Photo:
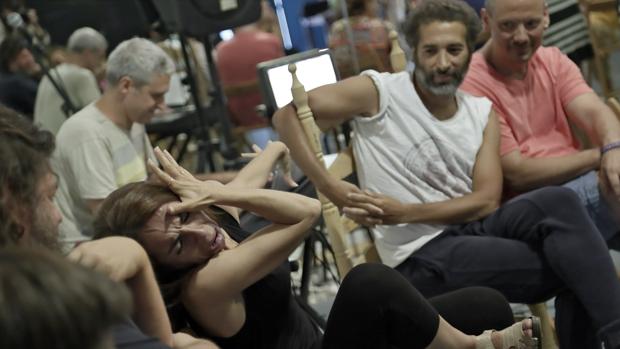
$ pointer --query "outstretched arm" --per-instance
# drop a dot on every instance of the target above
(331, 106)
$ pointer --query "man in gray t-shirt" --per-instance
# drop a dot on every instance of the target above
(105, 146)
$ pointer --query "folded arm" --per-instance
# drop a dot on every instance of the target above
(602, 125)
(524, 174)
(484, 198)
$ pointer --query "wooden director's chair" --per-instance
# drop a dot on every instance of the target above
(339, 227)
(604, 32)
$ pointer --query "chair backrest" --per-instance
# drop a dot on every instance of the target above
(338, 227)
(604, 32)
(614, 104)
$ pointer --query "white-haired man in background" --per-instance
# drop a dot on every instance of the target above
(104, 146)
(86, 54)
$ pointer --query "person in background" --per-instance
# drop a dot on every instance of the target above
(86, 50)
(236, 61)
(371, 40)
(105, 145)
(19, 75)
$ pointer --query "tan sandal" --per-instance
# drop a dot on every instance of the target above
(514, 337)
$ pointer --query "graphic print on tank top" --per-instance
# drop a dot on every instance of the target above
(432, 163)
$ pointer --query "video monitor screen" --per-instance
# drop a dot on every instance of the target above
(314, 68)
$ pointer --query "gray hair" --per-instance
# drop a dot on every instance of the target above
(139, 59)
(86, 38)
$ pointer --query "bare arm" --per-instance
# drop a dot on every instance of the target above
(589, 113)
(524, 174)
(218, 285)
(602, 125)
(331, 106)
(124, 260)
(484, 198)
(256, 173)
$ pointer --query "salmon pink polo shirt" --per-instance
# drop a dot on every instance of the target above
(532, 111)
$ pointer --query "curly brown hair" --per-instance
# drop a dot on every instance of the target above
(429, 11)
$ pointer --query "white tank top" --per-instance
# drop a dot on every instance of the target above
(408, 154)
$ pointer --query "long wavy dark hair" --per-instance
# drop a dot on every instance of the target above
(126, 211)
(429, 11)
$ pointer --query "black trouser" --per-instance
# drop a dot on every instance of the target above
(535, 246)
(377, 308)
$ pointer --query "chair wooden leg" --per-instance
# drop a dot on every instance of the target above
(602, 74)
(548, 330)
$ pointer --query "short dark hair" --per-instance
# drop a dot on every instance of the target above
(356, 7)
(10, 47)
(49, 302)
(24, 154)
(429, 11)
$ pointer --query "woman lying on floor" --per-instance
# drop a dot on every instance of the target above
(234, 287)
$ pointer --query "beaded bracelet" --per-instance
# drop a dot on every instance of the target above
(609, 146)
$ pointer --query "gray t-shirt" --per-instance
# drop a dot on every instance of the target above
(94, 157)
(79, 83)
(408, 154)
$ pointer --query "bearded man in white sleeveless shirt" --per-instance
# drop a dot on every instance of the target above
(427, 159)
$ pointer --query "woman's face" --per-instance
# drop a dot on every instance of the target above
(181, 240)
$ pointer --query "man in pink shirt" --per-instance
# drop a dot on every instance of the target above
(536, 91)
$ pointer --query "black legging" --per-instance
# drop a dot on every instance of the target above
(377, 308)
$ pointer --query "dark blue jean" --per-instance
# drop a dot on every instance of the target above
(537, 245)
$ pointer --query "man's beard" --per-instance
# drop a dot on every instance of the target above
(426, 80)
(45, 233)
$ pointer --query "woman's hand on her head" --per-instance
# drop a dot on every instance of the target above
(194, 193)
(120, 258)
(203, 194)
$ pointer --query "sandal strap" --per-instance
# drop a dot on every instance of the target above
(514, 337)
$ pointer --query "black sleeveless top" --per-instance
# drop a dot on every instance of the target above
(274, 319)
